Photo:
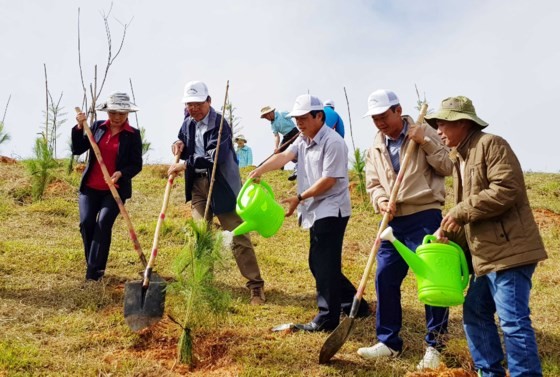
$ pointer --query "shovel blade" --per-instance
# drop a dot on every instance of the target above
(336, 339)
(144, 307)
(283, 327)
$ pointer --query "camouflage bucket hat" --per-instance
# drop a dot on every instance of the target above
(455, 108)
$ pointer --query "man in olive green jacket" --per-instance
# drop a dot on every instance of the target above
(493, 210)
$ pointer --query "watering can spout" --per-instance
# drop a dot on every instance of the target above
(243, 228)
(414, 262)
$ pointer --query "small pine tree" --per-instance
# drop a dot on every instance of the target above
(358, 167)
(4, 136)
(194, 271)
(146, 145)
(232, 119)
(55, 119)
(40, 167)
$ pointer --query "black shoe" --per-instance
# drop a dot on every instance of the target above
(364, 311)
(312, 327)
(292, 177)
(364, 314)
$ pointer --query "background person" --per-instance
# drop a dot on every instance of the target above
(243, 152)
(332, 119)
(323, 203)
(493, 209)
(417, 212)
(121, 149)
(281, 124)
(198, 140)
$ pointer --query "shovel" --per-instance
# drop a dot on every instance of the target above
(144, 300)
(337, 338)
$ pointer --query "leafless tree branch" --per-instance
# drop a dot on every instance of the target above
(350, 120)
(84, 102)
(134, 100)
(6, 109)
(110, 57)
(47, 95)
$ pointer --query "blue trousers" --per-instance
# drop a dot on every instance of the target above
(335, 293)
(98, 211)
(391, 271)
(507, 294)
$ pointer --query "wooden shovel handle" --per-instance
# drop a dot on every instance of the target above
(153, 255)
(385, 221)
(216, 156)
(114, 192)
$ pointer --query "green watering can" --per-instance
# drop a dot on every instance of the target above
(441, 269)
(258, 209)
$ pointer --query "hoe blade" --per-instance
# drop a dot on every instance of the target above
(144, 307)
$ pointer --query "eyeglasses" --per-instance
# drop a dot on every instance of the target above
(195, 105)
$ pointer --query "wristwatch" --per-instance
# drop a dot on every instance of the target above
(299, 198)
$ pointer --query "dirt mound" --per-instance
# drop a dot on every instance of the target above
(442, 371)
(7, 160)
(210, 350)
(546, 219)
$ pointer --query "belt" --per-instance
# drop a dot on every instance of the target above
(201, 175)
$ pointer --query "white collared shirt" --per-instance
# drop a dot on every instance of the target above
(200, 129)
(326, 155)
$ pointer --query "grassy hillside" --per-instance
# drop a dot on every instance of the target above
(52, 324)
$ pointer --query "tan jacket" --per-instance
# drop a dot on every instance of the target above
(492, 205)
(423, 185)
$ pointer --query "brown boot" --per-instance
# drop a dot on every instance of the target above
(257, 296)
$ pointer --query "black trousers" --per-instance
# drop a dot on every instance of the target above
(335, 292)
(98, 211)
(287, 138)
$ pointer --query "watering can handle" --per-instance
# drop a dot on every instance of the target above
(243, 188)
(464, 266)
(267, 187)
(248, 183)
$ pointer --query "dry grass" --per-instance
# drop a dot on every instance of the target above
(55, 325)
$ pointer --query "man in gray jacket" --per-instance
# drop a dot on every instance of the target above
(493, 210)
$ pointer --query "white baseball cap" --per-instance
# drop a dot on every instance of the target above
(305, 104)
(195, 91)
(380, 101)
(329, 102)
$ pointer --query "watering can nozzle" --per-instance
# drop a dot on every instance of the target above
(387, 234)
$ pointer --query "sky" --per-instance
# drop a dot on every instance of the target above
(503, 55)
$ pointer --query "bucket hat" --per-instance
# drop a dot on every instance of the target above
(380, 101)
(240, 137)
(119, 102)
(305, 104)
(455, 108)
(195, 91)
(265, 110)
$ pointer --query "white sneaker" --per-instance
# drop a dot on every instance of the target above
(431, 359)
(378, 350)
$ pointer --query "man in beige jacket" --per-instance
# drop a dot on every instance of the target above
(493, 210)
(417, 212)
